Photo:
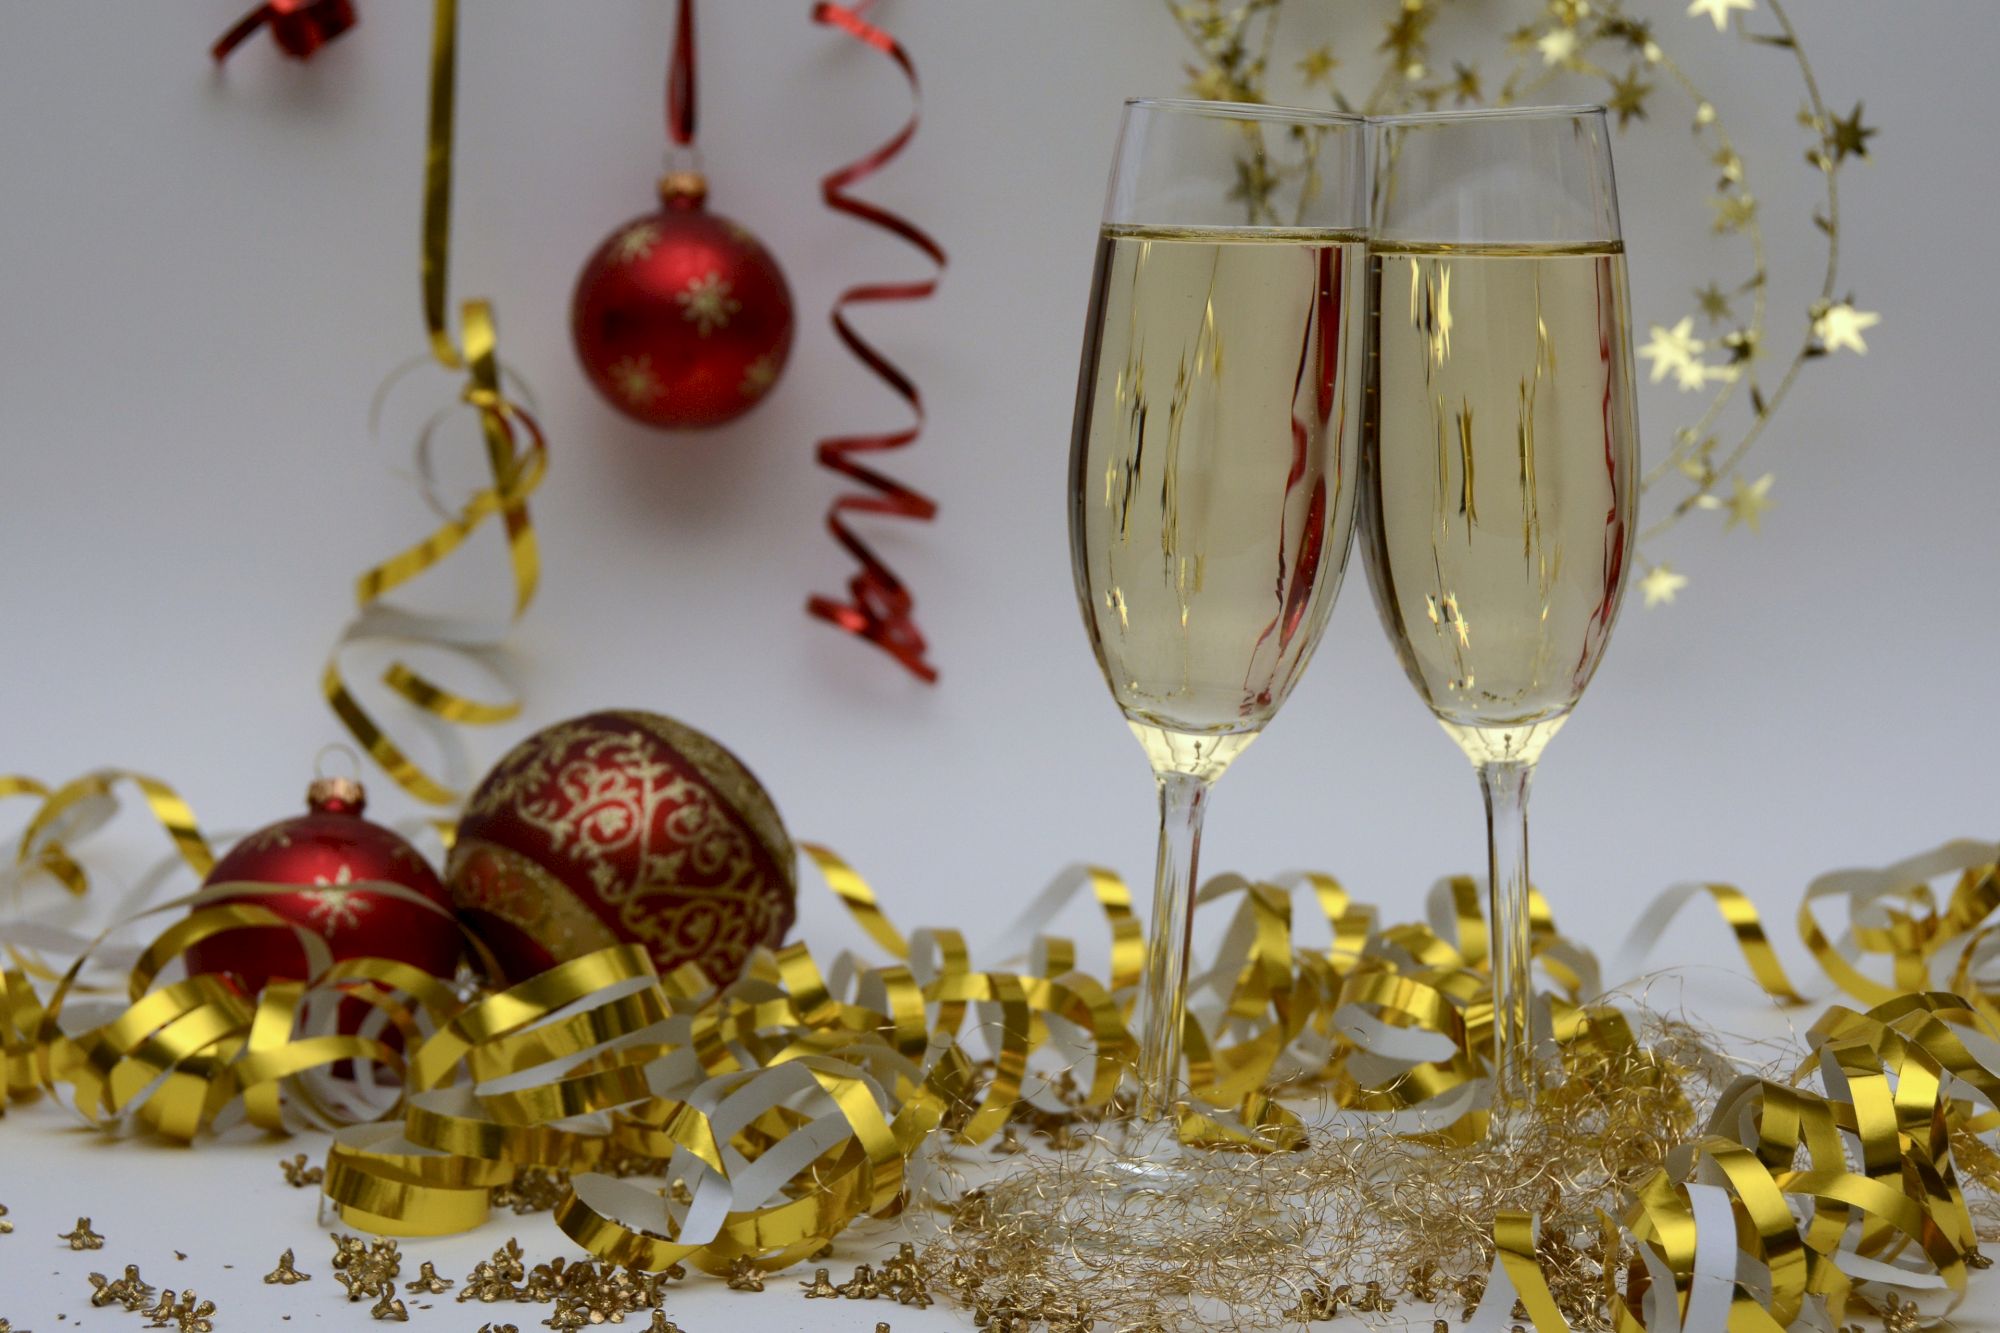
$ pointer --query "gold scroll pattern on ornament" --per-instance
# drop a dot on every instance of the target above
(665, 851)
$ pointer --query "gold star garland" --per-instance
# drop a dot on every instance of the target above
(1598, 40)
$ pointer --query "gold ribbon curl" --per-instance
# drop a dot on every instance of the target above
(517, 458)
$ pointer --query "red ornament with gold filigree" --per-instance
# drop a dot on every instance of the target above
(333, 855)
(623, 827)
(682, 318)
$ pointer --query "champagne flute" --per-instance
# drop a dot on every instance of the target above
(1212, 469)
(1499, 461)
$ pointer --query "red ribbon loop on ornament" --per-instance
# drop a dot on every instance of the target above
(880, 608)
(300, 27)
(680, 78)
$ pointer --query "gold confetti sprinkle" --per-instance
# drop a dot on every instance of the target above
(388, 1307)
(427, 1280)
(299, 1175)
(130, 1291)
(83, 1238)
(743, 1275)
(286, 1273)
(363, 1268)
(821, 1287)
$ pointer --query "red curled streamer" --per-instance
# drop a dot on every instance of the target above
(881, 606)
(300, 27)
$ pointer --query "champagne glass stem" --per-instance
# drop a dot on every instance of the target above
(1163, 1001)
(1505, 786)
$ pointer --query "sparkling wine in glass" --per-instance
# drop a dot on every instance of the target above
(1499, 461)
(1213, 467)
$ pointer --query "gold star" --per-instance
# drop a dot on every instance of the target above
(633, 376)
(1733, 211)
(706, 303)
(1558, 46)
(1215, 85)
(1628, 96)
(1673, 351)
(1842, 325)
(1406, 34)
(1850, 136)
(1318, 65)
(1719, 10)
(1747, 502)
(636, 242)
(1714, 303)
(1729, 164)
(1660, 585)
(1635, 33)
(1465, 82)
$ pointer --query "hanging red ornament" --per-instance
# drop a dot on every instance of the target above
(333, 855)
(682, 318)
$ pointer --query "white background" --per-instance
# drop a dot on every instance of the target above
(204, 279)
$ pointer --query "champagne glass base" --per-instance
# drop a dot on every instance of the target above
(1147, 1197)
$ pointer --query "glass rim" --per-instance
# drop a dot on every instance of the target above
(1265, 111)
(1569, 111)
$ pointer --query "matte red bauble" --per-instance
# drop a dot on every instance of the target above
(682, 318)
(623, 828)
(328, 852)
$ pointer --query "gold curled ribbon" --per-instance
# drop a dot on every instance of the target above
(798, 1100)
(516, 456)
(181, 1058)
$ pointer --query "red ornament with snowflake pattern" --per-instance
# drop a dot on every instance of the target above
(682, 318)
(330, 853)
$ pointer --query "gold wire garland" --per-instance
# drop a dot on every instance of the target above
(1234, 43)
